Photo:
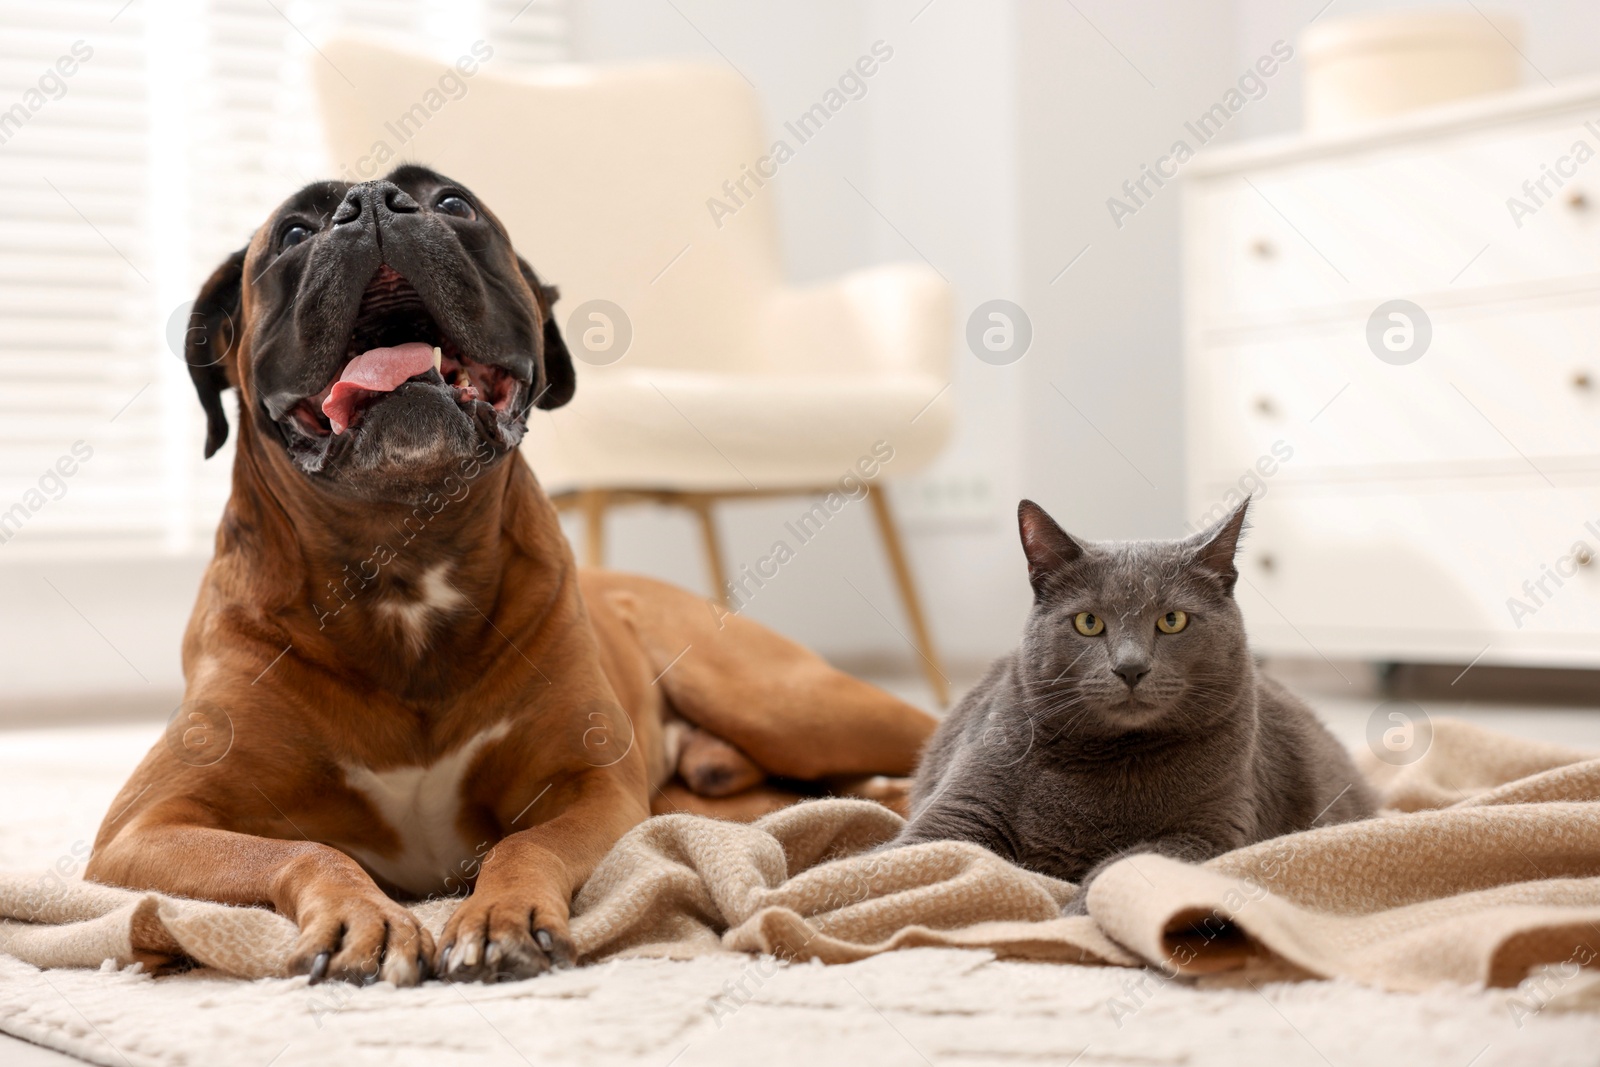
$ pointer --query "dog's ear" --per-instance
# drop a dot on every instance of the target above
(208, 339)
(558, 382)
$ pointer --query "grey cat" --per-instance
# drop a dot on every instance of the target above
(1131, 719)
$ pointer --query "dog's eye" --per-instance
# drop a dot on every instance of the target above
(451, 204)
(294, 235)
(1172, 622)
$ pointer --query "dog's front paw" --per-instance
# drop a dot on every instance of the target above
(360, 938)
(500, 937)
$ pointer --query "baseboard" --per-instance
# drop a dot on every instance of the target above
(143, 705)
(888, 666)
(1439, 681)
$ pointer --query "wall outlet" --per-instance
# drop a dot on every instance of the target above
(955, 498)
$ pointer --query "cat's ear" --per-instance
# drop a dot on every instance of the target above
(1215, 549)
(1047, 546)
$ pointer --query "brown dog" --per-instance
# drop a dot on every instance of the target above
(398, 682)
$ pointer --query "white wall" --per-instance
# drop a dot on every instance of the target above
(107, 627)
(1106, 88)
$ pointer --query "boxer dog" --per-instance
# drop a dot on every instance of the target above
(398, 683)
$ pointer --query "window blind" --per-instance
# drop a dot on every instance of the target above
(75, 301)
(125, 181)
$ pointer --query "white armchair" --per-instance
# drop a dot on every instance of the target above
(732, 384)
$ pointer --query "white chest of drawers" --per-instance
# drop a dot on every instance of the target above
(1445, 509)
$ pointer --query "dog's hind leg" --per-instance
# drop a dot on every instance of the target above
(747, 806)
(892, 793)
(779, 704)
(711, 767)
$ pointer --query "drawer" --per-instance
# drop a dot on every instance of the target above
(1493, 387)
(1391, 222)
(1405, 573)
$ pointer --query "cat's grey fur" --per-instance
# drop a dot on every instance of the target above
(1058, 762)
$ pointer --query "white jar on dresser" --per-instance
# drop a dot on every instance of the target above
(1393, 338)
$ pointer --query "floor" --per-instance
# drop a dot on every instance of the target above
(101, 755)
(16, 1053)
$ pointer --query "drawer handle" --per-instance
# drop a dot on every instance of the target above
(1262, 248)
(1582, 380)
(1577, 201)
(1584, 557)
(1268, 562)
(1265, 406)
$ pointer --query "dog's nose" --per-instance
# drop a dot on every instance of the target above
(1132, 672)
(373, 200)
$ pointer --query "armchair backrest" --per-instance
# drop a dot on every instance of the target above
(602, 175)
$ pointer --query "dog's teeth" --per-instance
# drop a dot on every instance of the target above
(438, 359)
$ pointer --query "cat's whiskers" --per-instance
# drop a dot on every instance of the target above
(1040, 709)
(1192, 694)
(1068, 667)
(1048, 705)
(1076, 702)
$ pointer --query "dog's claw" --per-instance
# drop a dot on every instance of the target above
(560, 954)
(319, 967)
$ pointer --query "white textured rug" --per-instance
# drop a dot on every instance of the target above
(924, 1006)
(915, 1007)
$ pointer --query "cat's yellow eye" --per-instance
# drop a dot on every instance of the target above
(1088, 625)
(1172, 622)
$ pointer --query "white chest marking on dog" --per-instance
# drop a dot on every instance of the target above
(435, 596)
(422, 805)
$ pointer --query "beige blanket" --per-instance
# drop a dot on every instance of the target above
(1487, 864)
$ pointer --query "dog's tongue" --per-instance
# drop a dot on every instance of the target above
(381, 370)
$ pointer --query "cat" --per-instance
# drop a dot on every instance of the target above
(1130, 719)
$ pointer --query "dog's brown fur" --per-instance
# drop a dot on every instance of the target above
(591, 671)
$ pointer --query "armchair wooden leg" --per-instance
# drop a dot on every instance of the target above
(908, 596)
(701, 506)
(594, 503)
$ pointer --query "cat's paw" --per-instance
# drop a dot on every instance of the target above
(1079, 905)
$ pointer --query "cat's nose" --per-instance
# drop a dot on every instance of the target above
(1132, 672)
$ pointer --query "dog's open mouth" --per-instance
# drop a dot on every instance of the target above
(393, 341)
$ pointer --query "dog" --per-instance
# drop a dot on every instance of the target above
(398, 683)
